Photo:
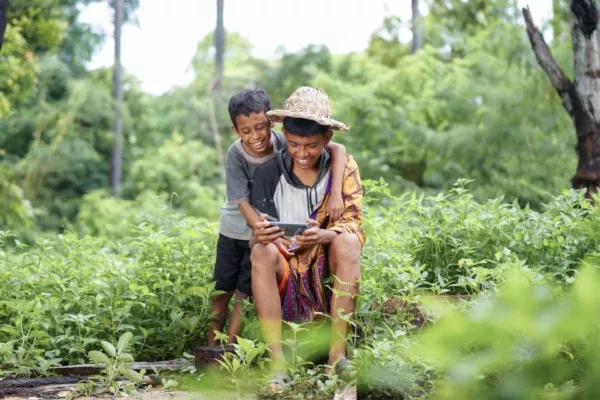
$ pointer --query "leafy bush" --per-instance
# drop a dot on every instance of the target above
(185, 171)
(62, 297)
(149, 272)
(15, 211)
(533, 340)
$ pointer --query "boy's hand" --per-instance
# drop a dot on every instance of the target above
(335, 206)
(264, 233)
(283, 246)
(314, 235)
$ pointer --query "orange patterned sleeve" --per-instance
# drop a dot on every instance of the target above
(352, 194)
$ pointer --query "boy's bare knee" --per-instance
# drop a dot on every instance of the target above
(347, 245)
(263, 254)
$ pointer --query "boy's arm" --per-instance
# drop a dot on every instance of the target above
(351, 218)
(249, 213)
(335, 205)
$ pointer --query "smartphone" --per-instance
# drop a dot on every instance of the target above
(289, 228)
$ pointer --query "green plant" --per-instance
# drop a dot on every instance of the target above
(245, 365)
(116, 362)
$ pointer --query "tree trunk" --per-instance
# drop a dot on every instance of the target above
(217, 84)
(115, 162)
(212, 114)
(3, 20)
(580, 97)
(417, 27)
(219, 45)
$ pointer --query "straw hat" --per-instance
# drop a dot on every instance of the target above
(308, 103)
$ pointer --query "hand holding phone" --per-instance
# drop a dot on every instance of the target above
(314, 235)
(265, 232)
(290, 229)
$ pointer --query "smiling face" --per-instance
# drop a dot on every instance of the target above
(306, 150)
(254, 131)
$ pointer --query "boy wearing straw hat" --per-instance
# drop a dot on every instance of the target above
(295, 187)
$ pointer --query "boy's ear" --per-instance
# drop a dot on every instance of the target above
(328, 137)
(272, 123)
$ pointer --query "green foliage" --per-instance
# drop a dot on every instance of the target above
(104, 216)
(184, 171)
(149, 273)
(37, 28)
(116, 362)
(15, 211)
(456, 20)
(434, 120)
(293, 70)
(385, 46)
(533, 340)
(57, 174)
(62, 297)
(17, 70)
(464, 151)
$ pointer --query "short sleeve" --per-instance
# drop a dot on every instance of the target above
(236, 178)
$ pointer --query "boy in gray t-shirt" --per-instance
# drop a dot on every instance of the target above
(256, 145)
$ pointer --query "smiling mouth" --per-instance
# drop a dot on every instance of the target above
(303, 161)
(259, 145)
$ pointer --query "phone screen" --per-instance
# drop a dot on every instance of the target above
(290, 229)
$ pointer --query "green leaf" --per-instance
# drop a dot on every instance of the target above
(130, 374)
(124, 341)
(109, 348)
(98, 357)
(125, 357)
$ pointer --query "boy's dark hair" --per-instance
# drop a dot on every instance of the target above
(247, 102)
(303, 127)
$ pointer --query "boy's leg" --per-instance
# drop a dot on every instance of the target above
(218, 310)
(236, 322)
(243, 291)
(267, 273)
(344, 263)
(225, 275)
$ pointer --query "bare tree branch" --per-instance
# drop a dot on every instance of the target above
(584, 21)
(215, 129)
(417, 28)
(117, 152)
(546, 60)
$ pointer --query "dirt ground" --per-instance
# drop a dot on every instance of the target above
(152, 394)
(162, 394)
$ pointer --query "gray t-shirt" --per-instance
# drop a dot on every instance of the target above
(239, 174)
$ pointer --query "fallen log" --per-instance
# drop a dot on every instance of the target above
(44, 392)
(93, 369)
(48, 387)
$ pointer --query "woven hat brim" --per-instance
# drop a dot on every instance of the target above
(279, 115)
